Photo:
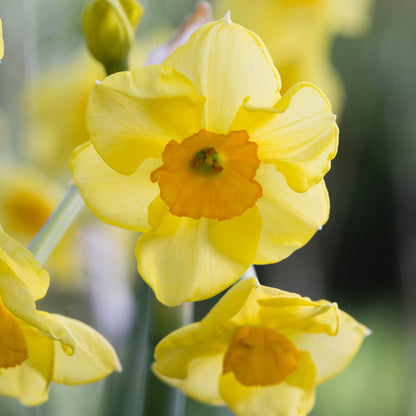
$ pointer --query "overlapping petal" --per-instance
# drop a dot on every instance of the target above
(227, 63)
(18, 261)
(29, 382)
(132, 115)
(183, 259)
(120, 200)
(93, 357)
(202, 380)
(292, 218)
(331, 354)
(298, 135)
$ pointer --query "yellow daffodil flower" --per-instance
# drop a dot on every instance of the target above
(37, 347)
(27, 199)
(1, 42)
(299, 35)
(260, 351)
(205, 157)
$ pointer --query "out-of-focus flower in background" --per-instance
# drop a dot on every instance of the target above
(260, 351)
(37, 348)
(299, 35)
(27, 198)
(54, 109)
(239, 179)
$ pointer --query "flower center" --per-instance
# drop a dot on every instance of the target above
(209, 175)
(209, 156)
(27, 211)
(13, 348)
(259, 356)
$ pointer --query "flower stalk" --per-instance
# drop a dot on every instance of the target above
(58, 223)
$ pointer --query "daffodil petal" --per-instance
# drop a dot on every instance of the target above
(231, 303)
(183, 259)
(298, 135)
(288, 312)
(93, 358)
(132, 115)
(294, 398)
(227, 63)
(19, 301)
(18, 261)
(178, 349)
(202, 381)
(117, 199)
(29, 382)
(331, 354)
(290, 218)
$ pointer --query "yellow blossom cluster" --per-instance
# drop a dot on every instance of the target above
(219, 165)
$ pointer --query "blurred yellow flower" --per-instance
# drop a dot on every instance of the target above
(261, 351)
(299, 35)
(27, 199)
(1, 42)
(36, 347)
(203, 155)
(54, 107)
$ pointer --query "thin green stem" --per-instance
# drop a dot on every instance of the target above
(161, 399)
(58, 223)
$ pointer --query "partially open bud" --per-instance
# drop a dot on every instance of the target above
(109, 27)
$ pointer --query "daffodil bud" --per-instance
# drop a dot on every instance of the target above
(109, 27)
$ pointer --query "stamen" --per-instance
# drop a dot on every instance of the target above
(209, 156)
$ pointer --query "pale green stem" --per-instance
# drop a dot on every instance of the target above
(58, 223)
(161, 399)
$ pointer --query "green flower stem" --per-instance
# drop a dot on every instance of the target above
(58, 223)
(160, 399)
(118, 66)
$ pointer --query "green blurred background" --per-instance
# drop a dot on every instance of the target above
(365, 256)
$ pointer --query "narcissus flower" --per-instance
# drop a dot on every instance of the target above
(261, 351)
(205, 157)
(36, 347)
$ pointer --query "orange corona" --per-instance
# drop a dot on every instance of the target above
(209, 175)
(259, 356)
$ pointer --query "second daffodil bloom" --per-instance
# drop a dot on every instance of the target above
(37, 347)
(261, 351)
(205, 157)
